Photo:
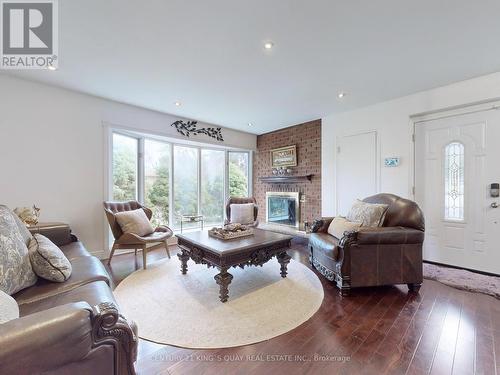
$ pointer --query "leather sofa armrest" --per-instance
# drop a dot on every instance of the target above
(321, 225)
(389, 235)
(52, 338)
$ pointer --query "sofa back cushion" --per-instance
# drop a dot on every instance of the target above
(9, 309)
(134, 221)
(48, 261)
(340, 225)
(16, 272)
(369, 214)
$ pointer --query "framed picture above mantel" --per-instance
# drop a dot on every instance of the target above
(284, 157)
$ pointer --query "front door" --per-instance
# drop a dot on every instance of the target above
(456, 160)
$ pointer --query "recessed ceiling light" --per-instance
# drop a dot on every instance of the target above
(51, 67)
(250, 124)
(268, 45)
(341, 95)
(177, 103)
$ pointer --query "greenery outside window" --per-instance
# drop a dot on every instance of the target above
(174, 179)
(125, 162)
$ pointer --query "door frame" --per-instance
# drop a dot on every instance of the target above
(448, 112)
(377, 161)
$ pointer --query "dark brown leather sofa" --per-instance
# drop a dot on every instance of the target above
(391, 254)
(73, 327)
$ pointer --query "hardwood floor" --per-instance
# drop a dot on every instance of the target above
(374, 331)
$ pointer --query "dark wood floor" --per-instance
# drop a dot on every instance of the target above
(375, 331)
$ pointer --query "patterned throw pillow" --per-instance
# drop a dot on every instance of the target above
(340, 225)
(48, 261)
(9, 309)
(134, 221)
(16, 272)
(369, 214)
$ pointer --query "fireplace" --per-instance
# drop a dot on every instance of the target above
(283, 208)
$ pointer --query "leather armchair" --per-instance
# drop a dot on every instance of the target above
(391, 254)
(242, 200)
(129, 240)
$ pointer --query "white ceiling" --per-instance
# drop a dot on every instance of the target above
(210, 55)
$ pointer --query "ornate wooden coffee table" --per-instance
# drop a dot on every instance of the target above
(247, 251)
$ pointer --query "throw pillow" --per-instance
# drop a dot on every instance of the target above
(25, 233)
(242, 213)
(340, 225)
(134, 221)
(369, 214)
(16, 272)
(48, 260)
(9, 309)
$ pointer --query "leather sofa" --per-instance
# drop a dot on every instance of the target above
(73, 327)
(386, 255)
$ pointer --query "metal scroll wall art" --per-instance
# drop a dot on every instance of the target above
(189, 128)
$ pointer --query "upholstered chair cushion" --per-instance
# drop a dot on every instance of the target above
(9, 309)
(242, 213)
(134, 221)
(48, 261)
(340, 225)
(16, 272)
(369, 214)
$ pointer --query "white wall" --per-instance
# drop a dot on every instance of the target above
(392, 122)
(52, 151)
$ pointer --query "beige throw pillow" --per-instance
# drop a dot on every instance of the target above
(369, 214)
(340, 225)
(134, 221)
(9, 309)
(48, 261)
(242, 213)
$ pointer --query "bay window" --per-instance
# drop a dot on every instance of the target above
(175, 179)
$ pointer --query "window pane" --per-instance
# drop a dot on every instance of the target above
(212, 186)
(238, 174)
(454, 181)
(185, 183)
(156, 180)
(124, 167)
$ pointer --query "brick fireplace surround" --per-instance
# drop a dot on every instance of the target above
(307, 138)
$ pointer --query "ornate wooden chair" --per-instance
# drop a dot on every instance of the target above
(129, 240)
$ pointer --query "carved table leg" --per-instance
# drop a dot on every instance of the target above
(223, 279)
(183, 257)
(284, 259)
(414, 287)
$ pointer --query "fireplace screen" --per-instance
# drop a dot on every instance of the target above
(283, 208)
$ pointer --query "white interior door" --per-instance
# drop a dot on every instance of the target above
(356, 169)
(456, 159)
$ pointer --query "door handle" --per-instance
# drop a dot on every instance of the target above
(494, 205)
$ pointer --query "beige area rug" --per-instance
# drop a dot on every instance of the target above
(463, 279)
(185, 310)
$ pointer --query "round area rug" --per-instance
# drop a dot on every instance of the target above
(185, 310)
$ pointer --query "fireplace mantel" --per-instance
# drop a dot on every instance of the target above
(286, 179)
